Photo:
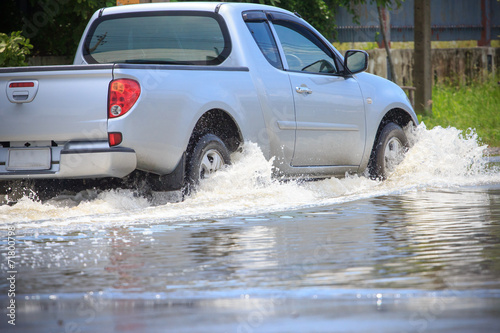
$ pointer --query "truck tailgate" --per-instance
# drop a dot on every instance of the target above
(54, 103)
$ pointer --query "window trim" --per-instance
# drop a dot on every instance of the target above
(218, 18)
(280, 47)
(259, 17)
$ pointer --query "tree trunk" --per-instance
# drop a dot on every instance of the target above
(383, 31)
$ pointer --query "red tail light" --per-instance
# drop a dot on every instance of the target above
(22, 85)
(123, 94)
(114, 138)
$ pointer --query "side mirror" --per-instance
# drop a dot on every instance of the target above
(356, 61)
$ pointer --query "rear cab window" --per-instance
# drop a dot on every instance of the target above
(167, 37)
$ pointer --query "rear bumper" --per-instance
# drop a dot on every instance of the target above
(77, 164)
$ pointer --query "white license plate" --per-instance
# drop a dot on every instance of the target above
(29, 159)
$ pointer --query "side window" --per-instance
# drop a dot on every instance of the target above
(265, 40)
(304, 52)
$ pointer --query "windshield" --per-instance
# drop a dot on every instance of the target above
(196, 38)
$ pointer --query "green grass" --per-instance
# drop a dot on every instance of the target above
(476, 106)
(409, 45)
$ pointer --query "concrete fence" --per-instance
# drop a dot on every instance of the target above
(461, 64)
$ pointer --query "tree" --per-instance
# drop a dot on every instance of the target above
(14, 49)
(53, 26)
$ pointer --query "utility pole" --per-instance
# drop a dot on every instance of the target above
(486, 23)
(422, 72)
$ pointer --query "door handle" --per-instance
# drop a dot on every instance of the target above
(303, 90)
(20, 95)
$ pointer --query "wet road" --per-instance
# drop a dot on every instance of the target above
(417, 253)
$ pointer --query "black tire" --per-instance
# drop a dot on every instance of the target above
(208, 155)
(388, 151)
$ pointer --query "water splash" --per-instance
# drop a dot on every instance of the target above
(440, 157)
(445, 156)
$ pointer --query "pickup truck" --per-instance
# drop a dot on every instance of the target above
(170, 90)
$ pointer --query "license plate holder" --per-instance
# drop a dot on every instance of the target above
(22, 159)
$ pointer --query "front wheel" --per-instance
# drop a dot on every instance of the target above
(208, 155)
(388, 151)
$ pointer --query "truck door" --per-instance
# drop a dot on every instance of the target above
(329, 108)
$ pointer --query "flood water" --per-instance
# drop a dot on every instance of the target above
(419, 252)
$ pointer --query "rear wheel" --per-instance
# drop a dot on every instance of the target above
(388, 152)
(208, 155)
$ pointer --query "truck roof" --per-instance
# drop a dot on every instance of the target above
(198, 6)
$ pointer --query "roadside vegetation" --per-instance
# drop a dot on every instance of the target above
(474, 105)
(409, 45)
(14, 49)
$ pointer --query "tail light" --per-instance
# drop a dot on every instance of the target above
(22, 85)
(123, 93)
(114, 138)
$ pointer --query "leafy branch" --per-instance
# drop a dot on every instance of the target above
(14, 49)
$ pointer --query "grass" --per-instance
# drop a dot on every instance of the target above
(409, 45)
(476, 106)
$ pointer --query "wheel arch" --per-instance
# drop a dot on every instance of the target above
(397, 116)
(214, 121)
(219, 123)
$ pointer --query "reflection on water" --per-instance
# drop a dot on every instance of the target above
(449, 237)
(422, 240)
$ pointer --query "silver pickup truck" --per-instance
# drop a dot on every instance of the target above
(171, 89)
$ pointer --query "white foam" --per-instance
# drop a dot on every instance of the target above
(439, 157)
